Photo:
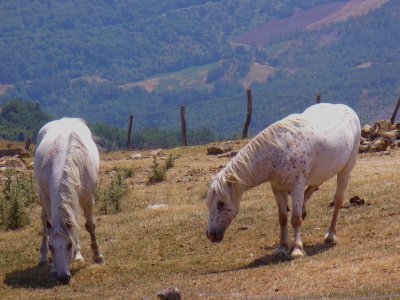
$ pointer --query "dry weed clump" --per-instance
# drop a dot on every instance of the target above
(18, 197)
(109, 198)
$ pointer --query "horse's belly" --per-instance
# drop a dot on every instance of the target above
(327, 162)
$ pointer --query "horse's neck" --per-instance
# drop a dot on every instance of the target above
(257, 170)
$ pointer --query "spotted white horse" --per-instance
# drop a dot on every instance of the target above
(66, 167)
(301, 150)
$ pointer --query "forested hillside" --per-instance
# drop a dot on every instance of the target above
(102, 60)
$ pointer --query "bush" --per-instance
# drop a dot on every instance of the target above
(110, 197)
(17, 199)
(169, 163)
(157, 172)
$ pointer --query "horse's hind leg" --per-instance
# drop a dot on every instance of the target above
(297, 194)
(282, 201)
(307, 195)
(342, 182)
(44, 246)
(91, 227)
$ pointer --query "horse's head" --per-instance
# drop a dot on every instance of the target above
(223, 205)
(63, 250)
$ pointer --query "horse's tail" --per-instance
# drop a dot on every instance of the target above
(71, 184)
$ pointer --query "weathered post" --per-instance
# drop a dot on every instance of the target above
(128, 143)
(318, 98)
(249, 111)
(395, 112)
(28, 144)
(183, 126)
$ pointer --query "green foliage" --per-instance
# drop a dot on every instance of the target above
(157, 172)
(169, 162)
(17, 199)
(110, 197)
(20, 120)
(124, 171)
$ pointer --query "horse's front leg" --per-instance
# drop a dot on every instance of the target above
(282, 201)
(91, 228)
(297, 194)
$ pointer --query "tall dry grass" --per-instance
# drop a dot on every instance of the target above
(149, 250)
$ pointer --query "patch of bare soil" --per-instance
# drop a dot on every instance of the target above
(266, 33)
(4, 88)
(149, 85)
(311, 19)
(258, 73)
(354, 8)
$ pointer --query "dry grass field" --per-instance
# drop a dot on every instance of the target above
(150, 250)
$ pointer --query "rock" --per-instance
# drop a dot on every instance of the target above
(156, 152)
(214, 150)
(169, 294)
(11, 162)
(228, 154)
(13, 152)
(135, 156)
(218, 150)
(379, 145)
(157, 206)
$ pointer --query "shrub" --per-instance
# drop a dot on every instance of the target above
(109, 198)
(17, 199)
(157, 172)
(169, 163)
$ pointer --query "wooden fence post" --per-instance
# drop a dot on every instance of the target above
(318, 98)
(249, 111)
(183, 126)
(128, 143)
(395, 112)
(28, 144)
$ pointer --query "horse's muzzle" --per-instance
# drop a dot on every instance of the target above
(64, 279)
(215, 236)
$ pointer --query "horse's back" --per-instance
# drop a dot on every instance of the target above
(54, 142)
(334, 133)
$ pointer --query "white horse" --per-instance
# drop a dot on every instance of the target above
(66, 167)
(298, 151)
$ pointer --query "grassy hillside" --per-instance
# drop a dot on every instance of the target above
(73, 57)
(149, 250)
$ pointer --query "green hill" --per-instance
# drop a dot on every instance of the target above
(103, 60)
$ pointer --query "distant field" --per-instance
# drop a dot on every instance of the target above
(150, 250)
(309, 20)
(187, 78)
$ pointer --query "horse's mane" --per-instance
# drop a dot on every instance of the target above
(70, 186)
(240, 168)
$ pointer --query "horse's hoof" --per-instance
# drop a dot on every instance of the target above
(43, 263)
(297, 252)
(53, 273)
(281, 251)
(78, 257)
(99, 260)
(330, 238)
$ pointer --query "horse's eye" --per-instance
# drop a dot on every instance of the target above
(220, 205)
(69, 245)
(51, 248)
